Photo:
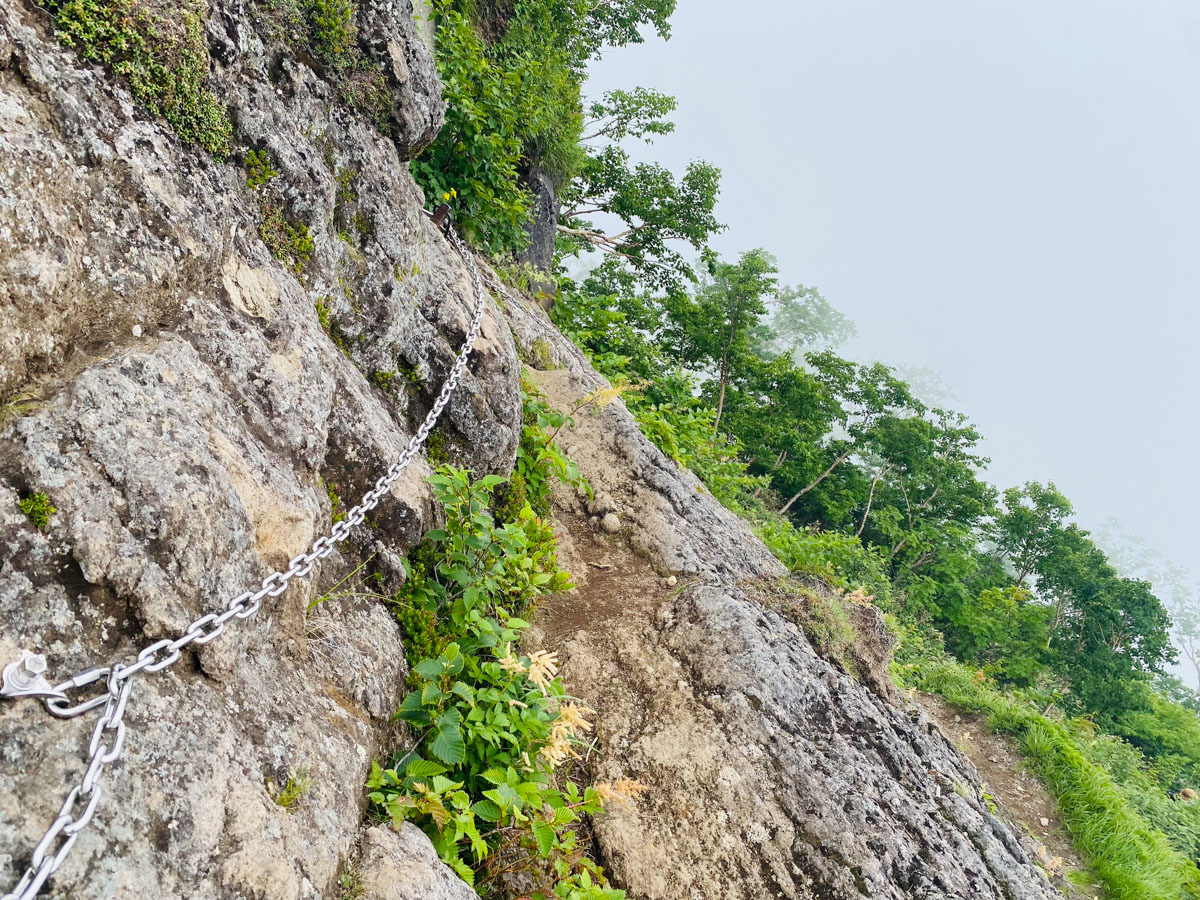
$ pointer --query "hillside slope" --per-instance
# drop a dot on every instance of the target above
(770, 770)
(224, 355)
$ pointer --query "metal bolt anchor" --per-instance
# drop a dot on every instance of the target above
(26, 678)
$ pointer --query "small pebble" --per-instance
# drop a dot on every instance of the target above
(610, 524)
(137, 330)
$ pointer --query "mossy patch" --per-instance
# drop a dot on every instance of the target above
(324, 31)
(288, 240)
(39, 510)
(540, 356)
(163, 58)
(337, 510)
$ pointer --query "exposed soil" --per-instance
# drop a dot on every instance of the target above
(611, 581)
(1022, 798)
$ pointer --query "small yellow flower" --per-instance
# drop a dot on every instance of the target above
(557, 752)
(510, 663)
(572, 721)
(543, 667)
(453, 192)
(445, 196)
(624, 792)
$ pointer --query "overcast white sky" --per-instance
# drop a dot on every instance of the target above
(1008, 193)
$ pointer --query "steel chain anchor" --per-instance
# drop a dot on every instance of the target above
(25, 678)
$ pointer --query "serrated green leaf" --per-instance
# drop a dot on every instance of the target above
(429, 668)
(424, 768)
(440, 784)
(448, 745)
(544, 835)
(411, 710)
(487, 810)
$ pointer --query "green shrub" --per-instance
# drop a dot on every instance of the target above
(259, 169)
(289, 241)
(164, 58)
(39, 510)
(477, 152)
(539, 461)
(331, 24)
(493, 726)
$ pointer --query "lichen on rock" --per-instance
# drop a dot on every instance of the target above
(192, 409)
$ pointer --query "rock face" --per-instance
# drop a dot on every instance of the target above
(780, 775)
(196, 419)
(770, 772)
(197, 411)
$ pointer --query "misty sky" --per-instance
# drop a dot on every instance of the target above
(1006, 193)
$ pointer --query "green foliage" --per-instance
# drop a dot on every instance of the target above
(492, 726)
(38, 508)
(511, 77)
(835, 558)
(164, 59)
(478, 151)
(259, 169)
(297, 785)
(474, 564)
(656, 211)
(331, 24)
(638, 113)
(1005, 632)
(288, 240)
(539, 461)
(337, 511)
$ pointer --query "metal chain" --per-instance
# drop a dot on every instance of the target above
(108, 737)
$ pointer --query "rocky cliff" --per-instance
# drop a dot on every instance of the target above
(204, 359)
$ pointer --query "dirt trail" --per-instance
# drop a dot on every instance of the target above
(768, 770)
(611, 581)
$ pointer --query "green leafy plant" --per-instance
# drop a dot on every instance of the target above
(539, 461)
(477, 152)
(38, 508)
(493, 726)
(259, 169)
(289, 241)
(297, 785)
(332, 28)
(164, 59)
(337, 510)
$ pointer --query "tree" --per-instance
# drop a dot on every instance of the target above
(869, 396)
(802, 321)
(1028, 527)
(727, 306)
(655, 209)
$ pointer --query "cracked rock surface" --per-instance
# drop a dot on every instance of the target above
(196, 426)
(769, 771)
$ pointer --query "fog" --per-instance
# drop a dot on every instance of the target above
(1005, 194)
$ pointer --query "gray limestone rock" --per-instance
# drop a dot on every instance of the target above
(402, 865)
(780, 775)
(196, 416)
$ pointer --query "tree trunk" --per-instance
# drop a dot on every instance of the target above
(870, 500)
(837, 462)
(724, 374)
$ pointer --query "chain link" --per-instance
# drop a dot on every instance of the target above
(108, 737)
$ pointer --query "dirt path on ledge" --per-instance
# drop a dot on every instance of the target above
(611, 580)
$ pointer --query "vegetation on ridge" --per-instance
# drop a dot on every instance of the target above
(1001, 601)
(489, 777)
